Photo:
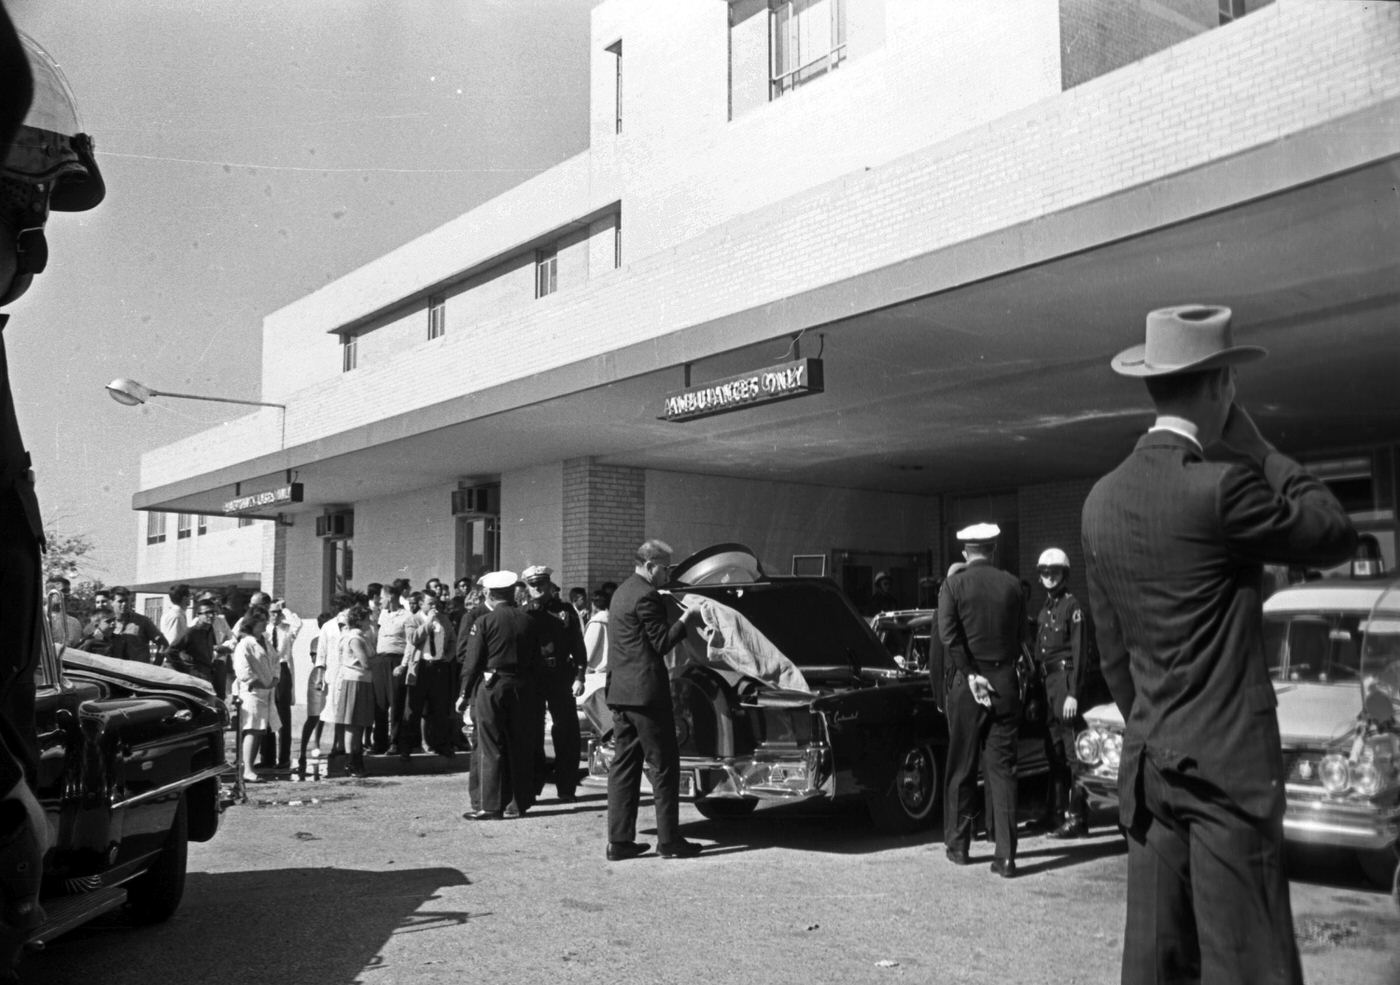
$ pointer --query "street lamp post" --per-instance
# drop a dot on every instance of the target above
(130, 393)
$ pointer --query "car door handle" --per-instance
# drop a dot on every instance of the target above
(183, 715)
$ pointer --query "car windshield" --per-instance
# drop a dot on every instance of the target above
(1314, 647)
(809, 621)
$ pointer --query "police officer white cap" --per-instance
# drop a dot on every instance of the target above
(979, 533)
(536, 572)
(498, 581)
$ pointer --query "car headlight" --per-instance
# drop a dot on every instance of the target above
(1087, 747)
(1335, 773)
(1112, 750)
(1366, 779)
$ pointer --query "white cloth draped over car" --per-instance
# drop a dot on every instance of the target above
(729, 639)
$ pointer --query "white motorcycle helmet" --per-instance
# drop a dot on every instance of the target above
(1053, 567)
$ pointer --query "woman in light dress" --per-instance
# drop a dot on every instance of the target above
(255, 676)
(350, 705)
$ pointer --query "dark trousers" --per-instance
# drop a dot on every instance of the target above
(644, 737)
(1059, 748)
(504, 713)
(989, 734)
(556, 695)
(428, 708)
(19, 616)
(276, 750)
(1207, 892)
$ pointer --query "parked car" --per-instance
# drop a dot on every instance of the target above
(131, 756)
(1333, 648)
(786, 694)
(907, 634)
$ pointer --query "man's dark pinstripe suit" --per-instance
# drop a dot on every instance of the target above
(1174, 547)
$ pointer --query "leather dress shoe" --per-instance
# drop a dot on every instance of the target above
(678, 849)
(957, 856)
(1004, 867)
(621, 851)
(513, 811)
(567, 798)
(483, 816)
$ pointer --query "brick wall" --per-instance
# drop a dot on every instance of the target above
(1287, 67)
(604, 522)
(1098, 36)
(1050, 518)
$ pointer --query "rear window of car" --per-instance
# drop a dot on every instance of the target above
(810, 622)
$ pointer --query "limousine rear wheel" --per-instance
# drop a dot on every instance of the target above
(154, 896)
(912, 796)
(1379, 865)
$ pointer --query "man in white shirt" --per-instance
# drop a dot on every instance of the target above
(173, 620)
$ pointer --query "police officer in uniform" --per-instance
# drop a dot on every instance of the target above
(1062, 655)
(981, 620)
(501, 659)
(563, 662)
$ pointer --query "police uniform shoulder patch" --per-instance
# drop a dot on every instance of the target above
(1078, 615)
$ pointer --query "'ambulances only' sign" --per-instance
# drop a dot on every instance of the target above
(798, 378)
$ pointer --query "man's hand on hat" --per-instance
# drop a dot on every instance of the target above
(1241, 435)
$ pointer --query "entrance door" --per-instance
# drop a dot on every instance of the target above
(478, 545)
(856, 571)
(338, 569)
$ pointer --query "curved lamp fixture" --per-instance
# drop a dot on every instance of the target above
(131, 393)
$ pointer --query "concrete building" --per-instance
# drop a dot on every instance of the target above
(955, 213)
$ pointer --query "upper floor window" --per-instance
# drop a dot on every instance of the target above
(616, 51)
(617, 242)
(349, 352)
(807, 40)
(437, 317)
(155, 528)
(244, 521)
(184, 525)
(203, 526)
(546, 272)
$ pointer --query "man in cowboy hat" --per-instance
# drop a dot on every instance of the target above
(1174, 547)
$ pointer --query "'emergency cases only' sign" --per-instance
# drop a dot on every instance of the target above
(764, 386)
(280, 496)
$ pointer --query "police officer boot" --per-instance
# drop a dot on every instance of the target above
(1075, 824)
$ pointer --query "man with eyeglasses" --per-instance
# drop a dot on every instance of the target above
(192, 652)
(639, 694)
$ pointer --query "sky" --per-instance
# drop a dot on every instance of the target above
(254, 151)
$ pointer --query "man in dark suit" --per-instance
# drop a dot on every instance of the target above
(1174, 548)
(981, 622)
(639, 694)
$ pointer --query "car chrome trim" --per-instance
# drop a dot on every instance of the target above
(169, 788)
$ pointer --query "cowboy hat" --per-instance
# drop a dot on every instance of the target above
(1187, 338)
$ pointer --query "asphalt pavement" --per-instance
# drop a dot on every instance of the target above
(379, 880)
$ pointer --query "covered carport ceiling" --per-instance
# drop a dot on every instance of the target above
(993, 384)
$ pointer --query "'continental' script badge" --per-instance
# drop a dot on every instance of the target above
(799, 378)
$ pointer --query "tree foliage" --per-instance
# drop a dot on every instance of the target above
(67, 556)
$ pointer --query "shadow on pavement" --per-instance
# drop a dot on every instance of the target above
(1061, 854)
(321, 925)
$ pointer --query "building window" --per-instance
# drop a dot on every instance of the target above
(546, 272)
(617, 242)
(203, 526)
(437, 317)
(155, 528)
(1231, 10)
(807, 39)
(244, 521)
(616, 52)
(184, 525)
(349, 352)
